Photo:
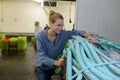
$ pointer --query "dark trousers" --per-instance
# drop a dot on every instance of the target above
(44, 74)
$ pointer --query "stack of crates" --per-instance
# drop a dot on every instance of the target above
(21, 43)
(13, 44)
(5, 44)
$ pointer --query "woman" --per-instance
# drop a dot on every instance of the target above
(50, 43)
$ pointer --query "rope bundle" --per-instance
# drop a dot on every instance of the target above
(91, 60)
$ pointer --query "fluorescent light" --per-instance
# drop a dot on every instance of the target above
(40, 1)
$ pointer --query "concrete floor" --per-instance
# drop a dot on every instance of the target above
(18, 65)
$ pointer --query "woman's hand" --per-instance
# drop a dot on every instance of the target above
(59, 62)
(93, 40)
(87, 36)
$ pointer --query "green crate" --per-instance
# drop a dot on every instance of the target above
(33, 39)
(2, 36)
(5, 45)
(22, 43)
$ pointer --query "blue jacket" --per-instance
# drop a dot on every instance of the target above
(47, 52)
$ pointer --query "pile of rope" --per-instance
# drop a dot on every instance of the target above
(93, 61)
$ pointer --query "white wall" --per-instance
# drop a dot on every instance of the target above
(99, 16)
(0, 15)
(20, 16)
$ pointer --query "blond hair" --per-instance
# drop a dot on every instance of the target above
(54, 15)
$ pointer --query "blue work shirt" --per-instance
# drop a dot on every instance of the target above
(47, 52)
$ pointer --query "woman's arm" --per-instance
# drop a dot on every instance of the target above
(81, 33)
(42, 59)
(87, 36)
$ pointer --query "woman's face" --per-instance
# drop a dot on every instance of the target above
(57, 27)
